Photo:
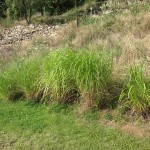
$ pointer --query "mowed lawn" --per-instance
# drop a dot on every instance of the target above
(26, 126)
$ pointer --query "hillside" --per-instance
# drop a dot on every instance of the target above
(126, 34)
(83, 83)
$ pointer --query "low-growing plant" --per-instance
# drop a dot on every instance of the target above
(20, 79)
(137, 8)
(7, 85)
(88, 20)
(136, 92)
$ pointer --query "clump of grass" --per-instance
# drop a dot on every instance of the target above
(7, 85)
(19, 80)
(136, 93)
(92, 72)
(63, 76)
(79, 71)
(56, 79)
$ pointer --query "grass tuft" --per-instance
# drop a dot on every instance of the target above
(136, 93)
(19, 80)
(79, 71)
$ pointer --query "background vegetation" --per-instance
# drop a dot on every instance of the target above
(83, 88)
(18, 9)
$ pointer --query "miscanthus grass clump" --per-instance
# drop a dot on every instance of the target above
(67, 76)
(67, 72)
(63, 75)
(136, 92)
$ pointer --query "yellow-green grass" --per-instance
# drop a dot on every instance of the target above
(136, 92)
(25, 125)
(86, 71)
(57, 74)
(20, 79)
(68, 75)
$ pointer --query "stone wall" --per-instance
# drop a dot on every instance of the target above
(19, 33)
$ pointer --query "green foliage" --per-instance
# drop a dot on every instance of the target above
(7, 85)
(2, 8)
(137, 8)
(84, 71)
(17, 9)
(92, 71)
(56, 78)
(61, 76)
(88, 21)
(136, 93)
(24, 126)
(67, 75)
(20, 80)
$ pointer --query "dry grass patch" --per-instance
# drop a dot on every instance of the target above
(135, 130)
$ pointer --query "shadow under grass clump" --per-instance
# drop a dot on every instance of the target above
(17, 96)
(70, 97)
(110, 98)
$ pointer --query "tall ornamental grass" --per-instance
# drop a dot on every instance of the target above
(57, 79)
(92, 71)
(136, 92)
(85, 71)
(63, 75)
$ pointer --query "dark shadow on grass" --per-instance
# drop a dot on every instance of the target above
(110, 98)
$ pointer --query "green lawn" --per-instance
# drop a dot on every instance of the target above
(26, 126)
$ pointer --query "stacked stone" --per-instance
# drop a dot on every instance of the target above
(20, 33)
